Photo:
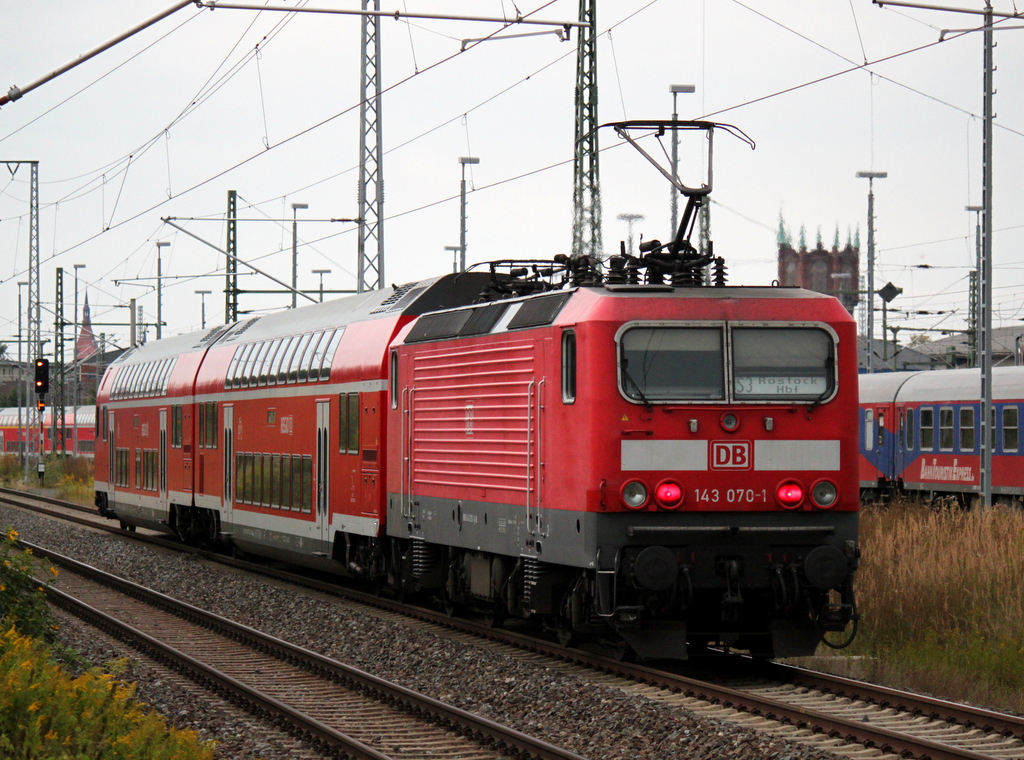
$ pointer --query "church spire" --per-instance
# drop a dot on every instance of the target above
(85, 346)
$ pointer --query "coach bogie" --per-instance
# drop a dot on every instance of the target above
(196, 526)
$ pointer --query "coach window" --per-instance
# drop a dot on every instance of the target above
(260, 367)
(138, 468)
(1010, 428)
(202, 426)
(569, 366)
(881, 427)
(176, 426)
(149, 388)
(869, 429)
(328, 357)
(286, 482)
(165, 376)
(268, 481)
(307, 484)
(284, 357)
(250, 478)
(307, 358)
(142, 381)
(945, 428)
(927, 422)
(211, 424)
(966, 429)
(348, 423)
(232, 368)
(274, 360)
(908, 430)
(239, 380)
(672, 364)
(296, 358)
(252, 368)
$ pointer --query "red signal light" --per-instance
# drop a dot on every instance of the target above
(669, 494)
(789, 494)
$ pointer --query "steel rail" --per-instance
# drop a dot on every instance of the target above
(818, 721)
(495, 733)
(300, 723)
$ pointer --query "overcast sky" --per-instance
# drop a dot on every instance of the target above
(204, 102)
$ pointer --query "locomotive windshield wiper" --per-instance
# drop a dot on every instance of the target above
(625, 374)
(829, 363)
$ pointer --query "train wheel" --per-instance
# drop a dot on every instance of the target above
(567, 637)
(494, 616)
(623, 652)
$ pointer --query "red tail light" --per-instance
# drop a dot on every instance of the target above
(789, 494)
(669, 494)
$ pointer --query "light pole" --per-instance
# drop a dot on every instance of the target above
(78, 369)
(159, 289)
(295, 249)
(629, 219)
(871, 177)
(321, 272)
(456, 250)
(203, 294)
(23, 393)
(675, 89)
(462, 217)
(977, 268)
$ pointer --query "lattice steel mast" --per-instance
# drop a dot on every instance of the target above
(371, 160)
(586, 194)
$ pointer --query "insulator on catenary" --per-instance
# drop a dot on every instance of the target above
(719, 272)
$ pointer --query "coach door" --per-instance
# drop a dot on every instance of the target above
(323, 468)
(162, 477)
(111, 456)
(229, 463)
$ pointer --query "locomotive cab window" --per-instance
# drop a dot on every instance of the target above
(569, 366)
(393, 384)
(788, 363)
(672, 364)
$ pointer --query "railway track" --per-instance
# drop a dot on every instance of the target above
(845, 716)
(337, 708)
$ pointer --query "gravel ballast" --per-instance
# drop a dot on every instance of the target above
(591, 719)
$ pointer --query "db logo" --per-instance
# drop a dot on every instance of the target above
(730, 455)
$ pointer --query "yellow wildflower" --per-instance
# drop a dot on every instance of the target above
(55, 571)
(34, 706)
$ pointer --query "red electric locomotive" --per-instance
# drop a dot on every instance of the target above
(622, 452)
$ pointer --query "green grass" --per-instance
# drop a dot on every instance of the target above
(941, 594)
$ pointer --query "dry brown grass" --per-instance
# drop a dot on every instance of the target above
(941, 592)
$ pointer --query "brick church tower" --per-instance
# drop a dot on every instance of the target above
(836, 271)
